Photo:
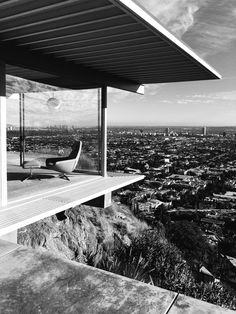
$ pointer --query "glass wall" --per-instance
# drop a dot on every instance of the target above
(13, 130)
(46, 124)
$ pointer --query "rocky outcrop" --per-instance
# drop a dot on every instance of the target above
(86, 235)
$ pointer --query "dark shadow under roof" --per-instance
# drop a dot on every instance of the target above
(86, 43)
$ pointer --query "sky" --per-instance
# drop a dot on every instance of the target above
(209, 28)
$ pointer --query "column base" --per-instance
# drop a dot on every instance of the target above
(101, 201)
(10, 237)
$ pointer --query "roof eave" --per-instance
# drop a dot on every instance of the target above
(131, 7)
(74, 76)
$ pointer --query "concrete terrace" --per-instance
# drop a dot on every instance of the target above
(35, 281)
(33, 199)
(43, 180)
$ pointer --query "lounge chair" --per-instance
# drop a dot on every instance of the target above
(65, 165)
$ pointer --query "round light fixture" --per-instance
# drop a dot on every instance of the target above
(53, 103)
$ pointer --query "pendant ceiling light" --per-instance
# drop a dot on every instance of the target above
(53, 103)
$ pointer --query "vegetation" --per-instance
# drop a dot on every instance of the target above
(116, 241)
(152, 259)
(188, 237)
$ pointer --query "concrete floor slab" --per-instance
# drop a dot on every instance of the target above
(33, 281)
(187, 305)
(44, 182)
(32, 200)
(7, 247)
(24, 211)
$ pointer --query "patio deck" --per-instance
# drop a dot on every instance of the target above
(32, 200)
(45, 181)
(35, 281)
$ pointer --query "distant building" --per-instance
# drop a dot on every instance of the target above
(10, 128)
(204, 131)
(167, 133)
(131, 170)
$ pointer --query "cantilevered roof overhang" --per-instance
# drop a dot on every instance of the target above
(87, 43)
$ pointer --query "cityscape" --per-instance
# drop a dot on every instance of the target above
(118, 156)
(190, 175)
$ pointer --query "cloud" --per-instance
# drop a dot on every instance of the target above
(214, 28)
(165, 101)
(208, 26)
(116, 95)
(194, 101)
(223, 96)
(176, 15)
(153, 89)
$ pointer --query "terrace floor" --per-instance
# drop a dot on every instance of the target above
(33, 200)
(35, 281)
(44, 181)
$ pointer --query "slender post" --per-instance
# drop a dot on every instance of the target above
(99, 132)
(3, 136)
(23, 127)
(21, 133)
(104, 132)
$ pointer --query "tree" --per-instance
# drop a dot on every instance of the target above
(188, 237)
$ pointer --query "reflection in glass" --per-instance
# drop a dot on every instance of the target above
(46, 124)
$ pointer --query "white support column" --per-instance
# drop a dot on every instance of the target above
(104, 132)
(3, 141)
(12, 236)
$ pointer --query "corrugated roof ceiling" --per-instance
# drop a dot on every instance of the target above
(86, 43)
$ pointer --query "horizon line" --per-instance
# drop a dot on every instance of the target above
(172, 126)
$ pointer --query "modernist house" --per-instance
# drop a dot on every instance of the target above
(71, 46)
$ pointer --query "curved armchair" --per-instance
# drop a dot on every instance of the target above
(65, 164)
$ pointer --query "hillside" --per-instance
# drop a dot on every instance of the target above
(115, 240)
(86, 235)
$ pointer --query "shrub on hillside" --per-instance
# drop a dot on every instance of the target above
(152, 259)
(189, 238)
